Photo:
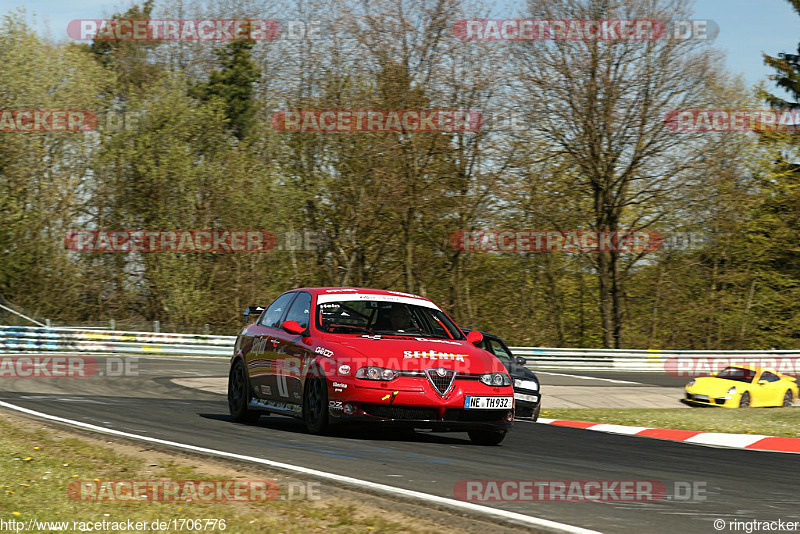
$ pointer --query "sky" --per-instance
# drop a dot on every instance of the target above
(747, 27)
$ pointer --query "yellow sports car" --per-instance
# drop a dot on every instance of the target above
(743, 386)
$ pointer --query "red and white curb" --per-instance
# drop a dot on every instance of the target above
(716, 439)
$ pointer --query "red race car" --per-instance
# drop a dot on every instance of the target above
(352, 355)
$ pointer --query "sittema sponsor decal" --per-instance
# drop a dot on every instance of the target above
(170, 241)
(173, 30)
(43, 120)
(555, 241)
(344, 121)
(433, 355)
(693, 366)
(725, 120)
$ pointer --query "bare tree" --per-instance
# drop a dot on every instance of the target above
(600, 105)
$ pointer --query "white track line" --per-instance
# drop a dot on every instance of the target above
(590, 378)
(486, 510)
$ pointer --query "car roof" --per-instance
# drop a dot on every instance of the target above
(362, 290)
(755, 368)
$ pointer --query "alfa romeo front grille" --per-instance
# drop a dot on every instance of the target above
(441, 379)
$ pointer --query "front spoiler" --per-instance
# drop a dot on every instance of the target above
(428, 424)
(527, 410)
(701, 403)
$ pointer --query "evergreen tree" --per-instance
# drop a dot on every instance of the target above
(234, 83)
(787, 74)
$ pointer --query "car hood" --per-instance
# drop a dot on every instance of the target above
(519, 371)
(413, 353)
(711, 385)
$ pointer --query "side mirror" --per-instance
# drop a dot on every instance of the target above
(474, 337)
(293, 327)
(519, 360)
(251, 313)
(762, 382)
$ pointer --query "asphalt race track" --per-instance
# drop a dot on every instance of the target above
(743, 485)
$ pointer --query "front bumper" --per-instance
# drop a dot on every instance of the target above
(527, 404)
(454, 420)
(417, 405)
(699, 399)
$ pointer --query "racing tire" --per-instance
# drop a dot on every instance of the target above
(536, 413)
(315, 403)
(788, 399)
(487, 437)
(239, 395)
(744, 400)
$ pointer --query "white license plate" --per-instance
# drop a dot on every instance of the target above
(703, 398)
(488, 403)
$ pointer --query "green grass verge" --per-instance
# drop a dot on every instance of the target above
(37, 464)
(767, 421)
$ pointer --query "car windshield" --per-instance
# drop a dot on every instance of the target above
(376, 317)
(737, 373)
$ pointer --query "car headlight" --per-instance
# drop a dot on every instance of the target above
(377, 373)
(732, 391)
(496, 379)
(526, 384)
(691, 383)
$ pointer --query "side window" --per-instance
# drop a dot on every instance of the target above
(272, 317)
(300, 310)
(499, 350)
(769, 377)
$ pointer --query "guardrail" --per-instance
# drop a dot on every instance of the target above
(41, 339)
(632, 360)
(15, 339)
